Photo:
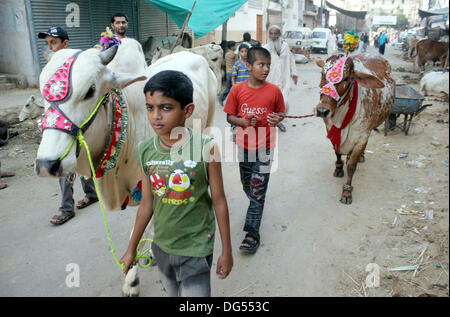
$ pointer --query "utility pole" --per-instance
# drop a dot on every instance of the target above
(321, 11)
(224, 31)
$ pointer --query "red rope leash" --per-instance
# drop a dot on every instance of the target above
(297, 117)
(249, 119)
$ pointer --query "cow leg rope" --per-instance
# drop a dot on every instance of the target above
(141, 255)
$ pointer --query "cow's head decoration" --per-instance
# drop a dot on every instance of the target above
(337, 81)
(75, 91)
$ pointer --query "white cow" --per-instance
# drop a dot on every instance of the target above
(433, 83)
(213, 53)
(33, 107)
(91, 79)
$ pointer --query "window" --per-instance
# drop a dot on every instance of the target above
(319, 35)
(255, 4)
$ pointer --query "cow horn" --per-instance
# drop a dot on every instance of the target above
(107, 56)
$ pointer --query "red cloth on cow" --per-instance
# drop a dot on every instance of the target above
(335, 133)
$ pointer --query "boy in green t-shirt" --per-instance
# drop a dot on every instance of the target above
(176, 173)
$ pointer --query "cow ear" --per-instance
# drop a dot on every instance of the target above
(368, 81)
(319, 62)
(123, 80)
(48, 54)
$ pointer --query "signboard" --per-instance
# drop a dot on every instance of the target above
(384, 20)
(438, 18)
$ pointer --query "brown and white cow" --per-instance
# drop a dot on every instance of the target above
(357, 95)
(431, 50)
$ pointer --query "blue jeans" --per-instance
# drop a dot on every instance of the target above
(254, 167)
(182, 275)
(224, 94)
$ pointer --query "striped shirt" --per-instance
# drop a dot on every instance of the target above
(240, 71)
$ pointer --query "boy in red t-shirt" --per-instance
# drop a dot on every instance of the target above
(254, 107)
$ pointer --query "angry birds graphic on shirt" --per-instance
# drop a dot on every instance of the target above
(158, 184)
(179, 181)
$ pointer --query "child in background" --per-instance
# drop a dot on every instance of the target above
(240, 72)
(175, 192)
(255, 104)
(230, 59)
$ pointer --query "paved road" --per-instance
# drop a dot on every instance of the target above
(302, 236)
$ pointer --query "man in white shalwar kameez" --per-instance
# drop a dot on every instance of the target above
(282, 65)
(332, 48)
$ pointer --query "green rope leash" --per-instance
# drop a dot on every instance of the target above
(108, 233)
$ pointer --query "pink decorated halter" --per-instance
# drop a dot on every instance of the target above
(56, 91)
(334, 76)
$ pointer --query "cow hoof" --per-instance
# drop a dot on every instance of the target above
(130, 292)
(130, 287)
(347, 200)
(338, 173)
(362, 159)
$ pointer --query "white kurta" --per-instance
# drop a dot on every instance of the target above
(282, 67)
(332, 45)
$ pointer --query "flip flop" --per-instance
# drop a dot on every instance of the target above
(7, 174)
(3, 185)
(83, 204)
(62, 218)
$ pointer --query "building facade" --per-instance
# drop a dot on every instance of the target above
(84, 21)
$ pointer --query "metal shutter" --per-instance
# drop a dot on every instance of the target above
(152, 21)
(173, 29)
(47, 13)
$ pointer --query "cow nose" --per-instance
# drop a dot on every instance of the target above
(48, 168)
(322, 112)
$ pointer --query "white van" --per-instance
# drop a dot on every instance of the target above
(299, 37)
(320, 37)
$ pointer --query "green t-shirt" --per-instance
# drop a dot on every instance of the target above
(182, 207)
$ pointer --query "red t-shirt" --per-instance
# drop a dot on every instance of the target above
(246, 102)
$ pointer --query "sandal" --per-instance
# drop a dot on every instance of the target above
(63, 217)
(86, 202)
(7, 174)
(3, 185)
(251, 245)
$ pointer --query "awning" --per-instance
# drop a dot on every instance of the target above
(206, 16)
(424, 14)
(354, 14)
